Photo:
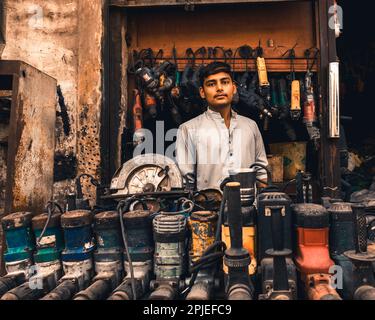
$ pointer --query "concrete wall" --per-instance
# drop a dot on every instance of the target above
(63, 38)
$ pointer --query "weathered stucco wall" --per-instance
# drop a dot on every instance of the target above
(63, 38)
(90, 86)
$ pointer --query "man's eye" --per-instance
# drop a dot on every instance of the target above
(211, 84)
(226, 82)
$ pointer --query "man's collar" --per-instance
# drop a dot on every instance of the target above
(218, 115)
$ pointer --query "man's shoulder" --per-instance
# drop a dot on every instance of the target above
(247, 121)
(193, 123)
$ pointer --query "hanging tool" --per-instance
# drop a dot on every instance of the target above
(263, 85)
(309, 112)
(137, 119)
(295, 95)
(280, 108)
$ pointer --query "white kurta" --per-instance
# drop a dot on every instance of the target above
(208, 149)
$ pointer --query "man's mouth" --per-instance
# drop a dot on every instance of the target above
(221, 96)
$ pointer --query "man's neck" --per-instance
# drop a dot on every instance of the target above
(225, 113)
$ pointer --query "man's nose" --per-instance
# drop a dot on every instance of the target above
(219, 87)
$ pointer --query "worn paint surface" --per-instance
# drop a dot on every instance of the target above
(63, 38)
(90, 86)
(45, 35)
(31, 141)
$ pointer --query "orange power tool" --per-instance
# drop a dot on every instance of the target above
(312, 254)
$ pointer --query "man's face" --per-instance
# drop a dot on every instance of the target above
(218, 89)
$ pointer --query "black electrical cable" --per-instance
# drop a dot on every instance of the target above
(124, 205)
(307, 55)
(269, 176)
(292, 56)
(287, 184)
(208, 257)
(93, 181)
(221, 215)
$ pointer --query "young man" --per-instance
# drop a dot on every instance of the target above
(219, 140)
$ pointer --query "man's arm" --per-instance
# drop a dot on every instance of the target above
(260, 154)
(185, 151)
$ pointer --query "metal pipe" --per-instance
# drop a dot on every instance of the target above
(200, 291)
(99, 290)
(365, 293)
(164, 291)
(10, 281)
(64, 291)
(124, 290)
(33, 289)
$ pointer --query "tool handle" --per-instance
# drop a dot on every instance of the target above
(277, 227)
(234, 214)
(360, 228)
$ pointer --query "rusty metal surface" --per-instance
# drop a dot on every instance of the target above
(31, 138)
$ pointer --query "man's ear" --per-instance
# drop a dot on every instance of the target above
(201, 92)
(234, 88)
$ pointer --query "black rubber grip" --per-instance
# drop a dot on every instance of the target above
(234, 214)
(277, 227)
(360, 228)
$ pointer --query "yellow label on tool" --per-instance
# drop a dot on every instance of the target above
(202, 236)
(262, 72)
(295, 96)
(248, 238)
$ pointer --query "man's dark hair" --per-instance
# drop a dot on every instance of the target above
(214, 68)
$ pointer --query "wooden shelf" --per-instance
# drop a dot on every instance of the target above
(239, 65)
(5, 93)
(153, 3)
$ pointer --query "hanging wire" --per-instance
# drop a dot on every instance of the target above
(292, 56)
(315, 57)
(122, 207)
(51, 207)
